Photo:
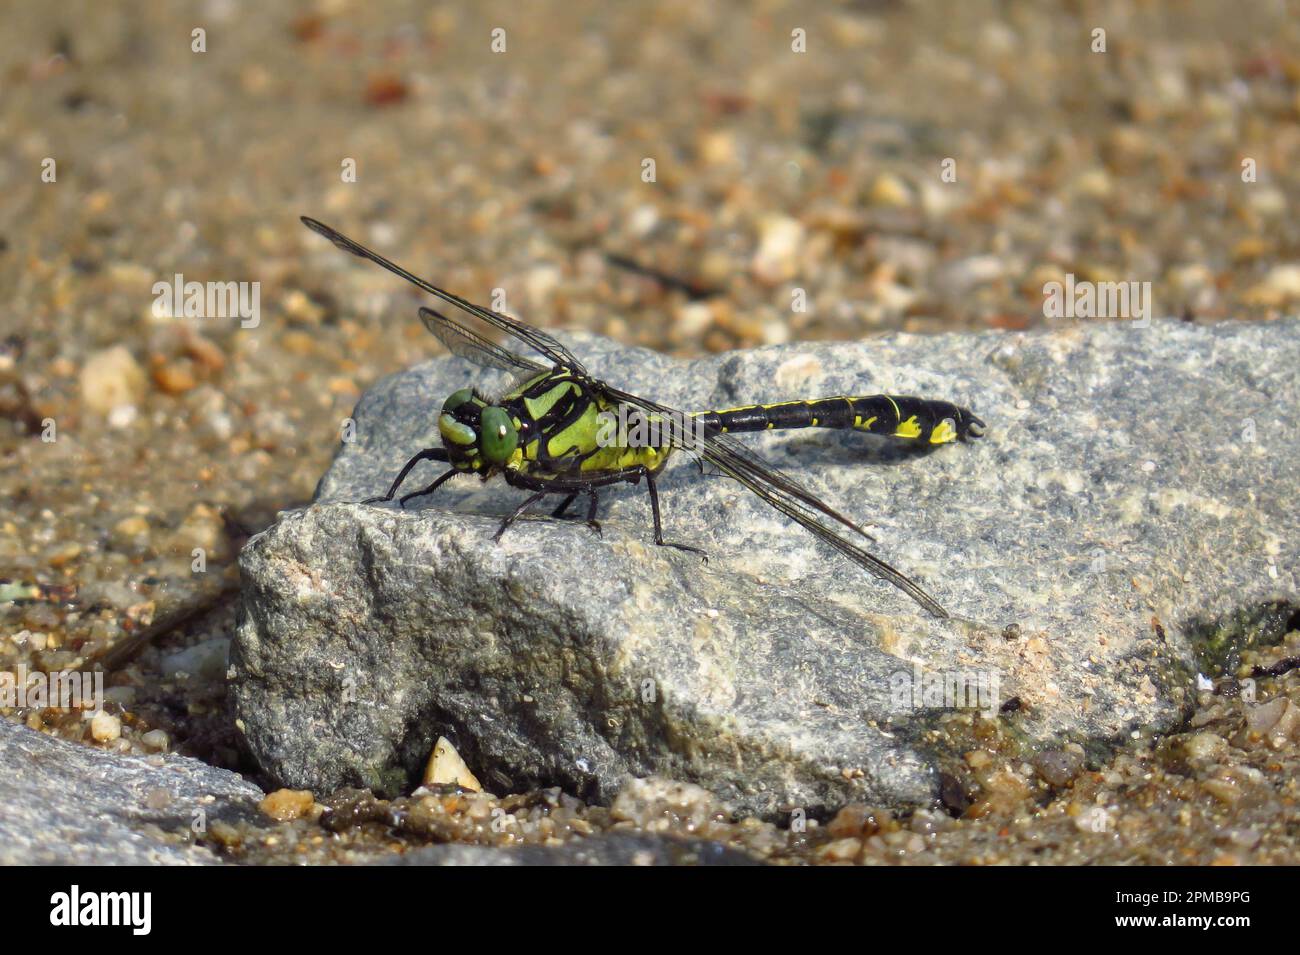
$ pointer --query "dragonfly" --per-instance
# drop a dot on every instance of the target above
(558, 430)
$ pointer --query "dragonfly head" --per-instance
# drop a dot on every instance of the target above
(478, 436)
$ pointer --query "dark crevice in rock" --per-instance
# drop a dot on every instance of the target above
(1219, 641)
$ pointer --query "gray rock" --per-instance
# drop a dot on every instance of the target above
(1130, 476)
(65, 804)
(1058, 766)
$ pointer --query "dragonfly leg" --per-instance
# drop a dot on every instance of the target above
(428, 490)
(592, 502)
(428, 454)
(659, 531)
(533, 499)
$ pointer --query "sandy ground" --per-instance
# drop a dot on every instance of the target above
(129, 438)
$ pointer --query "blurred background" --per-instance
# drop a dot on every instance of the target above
(129, 440)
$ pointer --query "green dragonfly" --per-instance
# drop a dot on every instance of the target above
(559, 430)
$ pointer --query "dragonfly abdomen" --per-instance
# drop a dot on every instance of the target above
(898, 416)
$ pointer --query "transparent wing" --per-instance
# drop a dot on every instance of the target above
(525, 334)
(783, 493)
(464, 343)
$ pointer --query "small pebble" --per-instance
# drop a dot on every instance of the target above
(776, 259)
(224, 833)
(1222, 790)
(129, 528)
(112, 379)
(841, 850)
(1204, 745)
(1262, 717)
(173, 378)
(890, 191)
(285, 804)
(105, 727)
(446, 767)
(1058, 767)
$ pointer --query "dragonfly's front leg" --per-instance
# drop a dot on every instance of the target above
(428, 454)
(401, 501)
(533, 499)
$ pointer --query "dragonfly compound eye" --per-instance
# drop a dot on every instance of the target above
(499, 435)
(456, 423)
(456, 399)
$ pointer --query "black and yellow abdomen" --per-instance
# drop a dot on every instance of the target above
(897, 416)
(560, 420)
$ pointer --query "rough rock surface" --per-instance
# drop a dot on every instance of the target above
(65, 804)
(1136, 487)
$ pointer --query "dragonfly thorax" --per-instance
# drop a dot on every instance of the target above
(478, 436)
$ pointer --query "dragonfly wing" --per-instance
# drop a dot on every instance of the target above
(535, 339)
(782, 492)
(462, 342)
(800, 505)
